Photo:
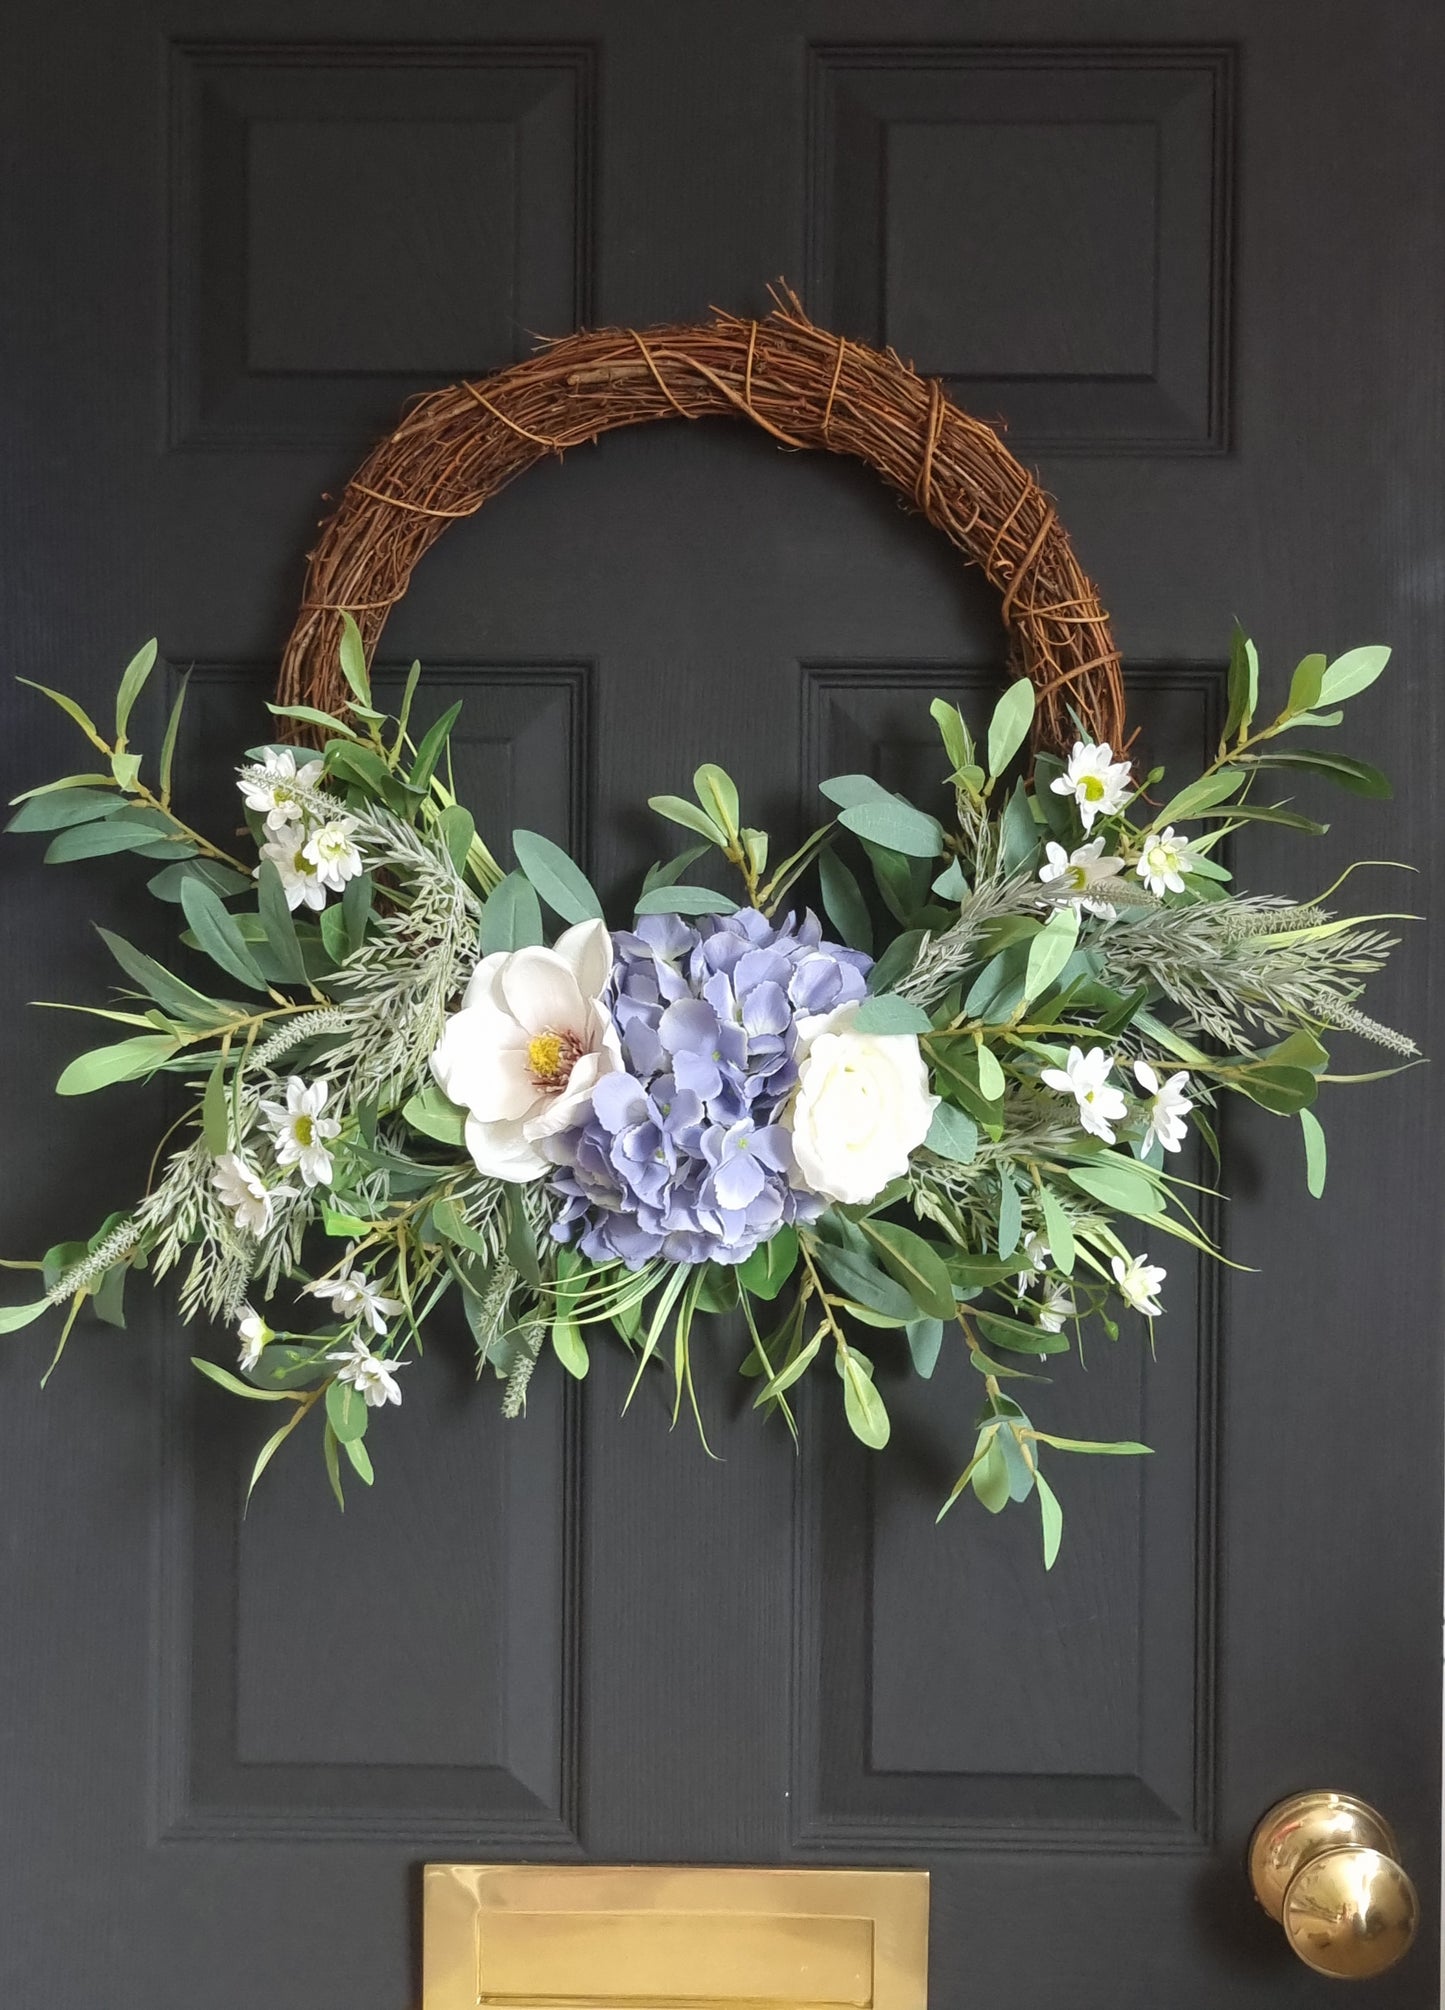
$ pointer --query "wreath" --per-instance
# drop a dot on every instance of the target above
(949, 1113)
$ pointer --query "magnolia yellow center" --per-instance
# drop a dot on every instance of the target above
(551, 1058)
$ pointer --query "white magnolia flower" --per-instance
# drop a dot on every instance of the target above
(373, 1379)
(1058, 1305)
(530, 1043)
(354, 1296)
(270, 787)
(1138, 1282)
(1167, 1106)
(253, 1333)
(862, 1106)
(300, 1131)
(301, 880)
(331, 851)
(1164, 862)
(1078, 872)
(1085, 1078)
(241, 1188)
(1097, 782)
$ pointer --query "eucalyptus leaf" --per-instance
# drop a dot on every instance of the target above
(886, 1012)
(843, 901)
(1316, 1153)
(560, 882)
(952, 1134)
(897, 825)
(862, 1404)
(511, 917)
(925, 1343)
(685, 900)
(435, 1116)
(771, 1264)
(1009, 727)
(914, 1264)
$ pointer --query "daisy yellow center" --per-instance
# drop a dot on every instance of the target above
(1077, 877)
(303, 1132)
(551, 1058)
(1093, 788)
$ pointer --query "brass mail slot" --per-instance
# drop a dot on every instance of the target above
(573, 1937)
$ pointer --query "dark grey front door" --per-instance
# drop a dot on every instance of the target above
(1191, 257)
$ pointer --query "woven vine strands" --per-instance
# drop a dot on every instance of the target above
(809, 389)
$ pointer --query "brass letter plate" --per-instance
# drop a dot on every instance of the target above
(578, 1937)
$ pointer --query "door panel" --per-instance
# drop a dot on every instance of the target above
(1195, 273)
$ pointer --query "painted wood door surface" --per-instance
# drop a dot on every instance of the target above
(1191, 257)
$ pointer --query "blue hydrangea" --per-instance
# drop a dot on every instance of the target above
(684, 1156)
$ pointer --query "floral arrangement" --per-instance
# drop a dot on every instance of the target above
(951, 1115)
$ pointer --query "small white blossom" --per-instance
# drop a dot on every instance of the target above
(1058, 1305)
(301, 880)
(373, 1379)
(1077, 872)
(354, 1296)
(1085, 1078)
(1138, 1282)
(241, 1188)
(253, 1334)
(331, 851)
(1039, 1256)
(1167, 1106)
(270, 787)
(300, 1131)
(1164, 862)
(1097, 782)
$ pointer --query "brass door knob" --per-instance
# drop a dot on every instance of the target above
(1326, 1866)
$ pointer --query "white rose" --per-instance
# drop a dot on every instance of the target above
(862, 1105)
(530, 1043)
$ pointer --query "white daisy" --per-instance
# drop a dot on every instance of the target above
(354, 1296)
(270, 787)
(241, 1188)
(367, 1373)
(1138, 1283)
(1164, 862)
(1039, 1256)
(301, 880)
(300, 1131)
(1097, 782)
(330, 851)
(1167, 1106)
(253, 1333)
(1085, 1078)
(1058, 1305)
(1076, 873)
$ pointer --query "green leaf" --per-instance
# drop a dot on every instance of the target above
(862, 1404)
(458, 827)
(216, 931)
(168, 743)
(224, 1379)
(1051, 949)
(356, 909)
(569, 1347)
(915, 1264)
(771, 1264)
(843, 901)
(863, 1282)
(1058, 1231)
(124, 1062)
(950, 884)
(1009, 726)
(1199, 796)
(953, 1135)
(1316, 1154)
(280, 928)
(1124, 1448)
(167, 883)
(70, 806)
(991, 1477)
(453, 1224)
(215, 1111)
(887, 1013)
(352, 653)
(564, 887)
(1010, 1218)
(1282, 1090)
(125, 768)
(432, 747)
(511, 918)
(718, 795)
(435, 1116)
(69, 706)
(1243, 682)
(309, 715)
(1352, 673)
(13, 1317)
(1017, 1336)
(1120, 1183)
(957, 740)
(62, 784)
(1304, 686)
(1357, 776)
(925, 1343)
(990, 1075)
(897, 825)
(1053, 1519)
(100, 839)
(360, 1459)
(521, 1243)
(670, 872)
(131, 685)
(685, 900)
(346, 1411)
(678, 810)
